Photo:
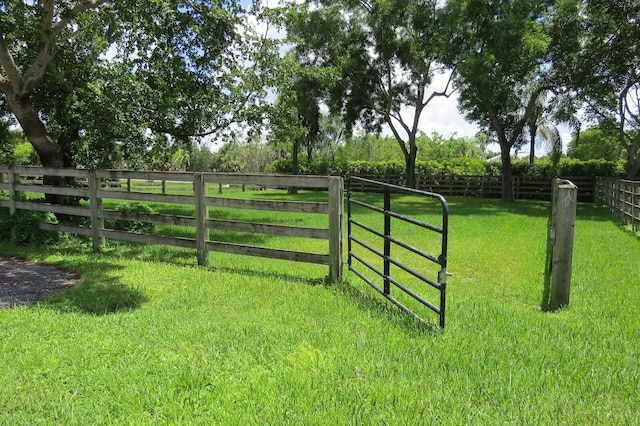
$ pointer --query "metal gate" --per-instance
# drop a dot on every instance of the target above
(367, 241)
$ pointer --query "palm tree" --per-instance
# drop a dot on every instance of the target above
(542, 133)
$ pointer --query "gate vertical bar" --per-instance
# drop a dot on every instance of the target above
(387, 241)
(443, 273)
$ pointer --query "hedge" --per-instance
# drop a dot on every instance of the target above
(457, 167)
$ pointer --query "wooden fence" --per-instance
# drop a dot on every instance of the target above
(98, 185)
(622, 197)
(524, 187)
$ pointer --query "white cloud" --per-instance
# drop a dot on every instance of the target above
(442, 116)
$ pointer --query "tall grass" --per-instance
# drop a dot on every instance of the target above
(148, 337)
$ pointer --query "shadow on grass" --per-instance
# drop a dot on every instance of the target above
(366, 301)
(97, 293)
(377, 305)
(271, 275)
(546, 290)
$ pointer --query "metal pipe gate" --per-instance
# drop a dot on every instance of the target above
(389, 243)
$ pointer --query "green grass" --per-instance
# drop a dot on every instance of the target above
(148, 337)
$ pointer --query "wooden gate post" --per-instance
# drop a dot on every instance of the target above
(202, 214)
(562, 228)
(336, 212)
(95, 204)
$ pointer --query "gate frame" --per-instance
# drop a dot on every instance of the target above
(440, 284)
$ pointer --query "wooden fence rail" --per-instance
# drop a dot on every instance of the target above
(622, 197)
(98, 185)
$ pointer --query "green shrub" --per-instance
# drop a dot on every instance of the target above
(132, 225)
(23, 228)
(568, 167)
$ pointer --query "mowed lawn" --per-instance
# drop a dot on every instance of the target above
(148, 337)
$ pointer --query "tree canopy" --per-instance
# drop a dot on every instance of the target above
(596, 143)
(89, 80)
(384, 54)
(596, 54)
(103, 83)
(499, 53)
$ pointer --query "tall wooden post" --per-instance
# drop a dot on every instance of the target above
(95, 204)
(11, 177)
(202, 214)
(336, 212)
(562, 229)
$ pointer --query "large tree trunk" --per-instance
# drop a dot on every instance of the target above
(410, 158)
(295, 165)
(532, 149)
(507, 173)
(50, 152)
(633, 160)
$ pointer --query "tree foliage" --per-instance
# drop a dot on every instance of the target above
(596, 54)
(430, 147)
(596, 143)
(384, 53)
(295, 118)
(89, 80)
(499, 53)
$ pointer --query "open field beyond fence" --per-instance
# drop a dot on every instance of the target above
(147, 336)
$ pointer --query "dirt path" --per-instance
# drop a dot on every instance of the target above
(23, 282)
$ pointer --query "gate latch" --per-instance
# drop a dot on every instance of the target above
(442, 276)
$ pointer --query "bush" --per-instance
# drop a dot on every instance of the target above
(384, 170)
(132, 225)
(23, 228)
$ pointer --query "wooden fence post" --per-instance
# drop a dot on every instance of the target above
(336, 208)
(202, 214)
(635, 207)
(562, 229)
(11, 177)
(95, 204)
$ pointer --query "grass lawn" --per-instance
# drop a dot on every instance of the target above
(148, 337)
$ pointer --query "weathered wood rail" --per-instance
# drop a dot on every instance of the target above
(98, 185)
(622, 197)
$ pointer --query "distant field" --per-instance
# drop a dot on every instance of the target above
(148, 337)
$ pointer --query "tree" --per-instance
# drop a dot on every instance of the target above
(436, 147)
(180, 69)
(202, 159)
(500, 53)
(596, 56)
(541, 131)
(595, 144)
(295, 118)
(384, 53)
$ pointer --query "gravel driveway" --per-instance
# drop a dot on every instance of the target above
(23, 282)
